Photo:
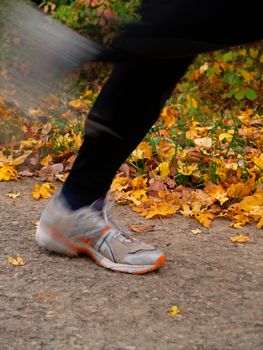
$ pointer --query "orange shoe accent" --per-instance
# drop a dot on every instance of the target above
(61, 239)
(160, 262)
(105, 230)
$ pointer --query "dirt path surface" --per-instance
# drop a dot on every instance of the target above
(55, 302)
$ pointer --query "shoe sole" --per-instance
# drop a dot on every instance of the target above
(54, 241)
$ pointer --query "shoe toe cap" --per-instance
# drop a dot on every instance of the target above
(144, 257)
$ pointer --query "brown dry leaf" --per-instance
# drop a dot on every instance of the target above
(141, 228)
(244, 238)
(26, 173)
(18, 261)
(48, 173)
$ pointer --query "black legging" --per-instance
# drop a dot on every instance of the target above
(132, 98)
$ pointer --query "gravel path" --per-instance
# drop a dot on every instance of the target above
(55, 302)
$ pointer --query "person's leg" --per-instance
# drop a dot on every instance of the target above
(128, 105)
(72, 221)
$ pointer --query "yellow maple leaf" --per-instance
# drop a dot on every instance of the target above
(136, 196)
(187, 212)
(18, 261)
(43, 191)
(239, 239)
(119, 184)
(13, 195)
(205, 219)
(185, 169)
(8, 172)
(225, 136)
(174, 310)
(164, 169)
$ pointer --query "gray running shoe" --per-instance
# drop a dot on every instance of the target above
(93, 233)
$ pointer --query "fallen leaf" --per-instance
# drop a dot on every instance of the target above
(239, 238)
(8, 172)
(174, 310)
(45, 161)
(13, 195)
(43, 191)
(196, 231)
(141, 228)
(164, 169)
(204, 142)
(18, 261)
(205, 219)
(26, 173)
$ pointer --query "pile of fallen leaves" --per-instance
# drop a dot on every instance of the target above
(202, 159)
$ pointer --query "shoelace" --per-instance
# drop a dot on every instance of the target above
(98, 219)
(121, 231)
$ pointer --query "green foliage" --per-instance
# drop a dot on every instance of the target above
(99, 20)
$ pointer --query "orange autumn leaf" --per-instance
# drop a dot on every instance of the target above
(143, 151)
(43, 191)
(8, 172)
(238, 190)
(216, 192)
(139, 183)
(165, 150)
(155, 209)
(18, 261)
(205, 219)
(120, 183)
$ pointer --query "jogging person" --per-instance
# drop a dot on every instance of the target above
(152, 56)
